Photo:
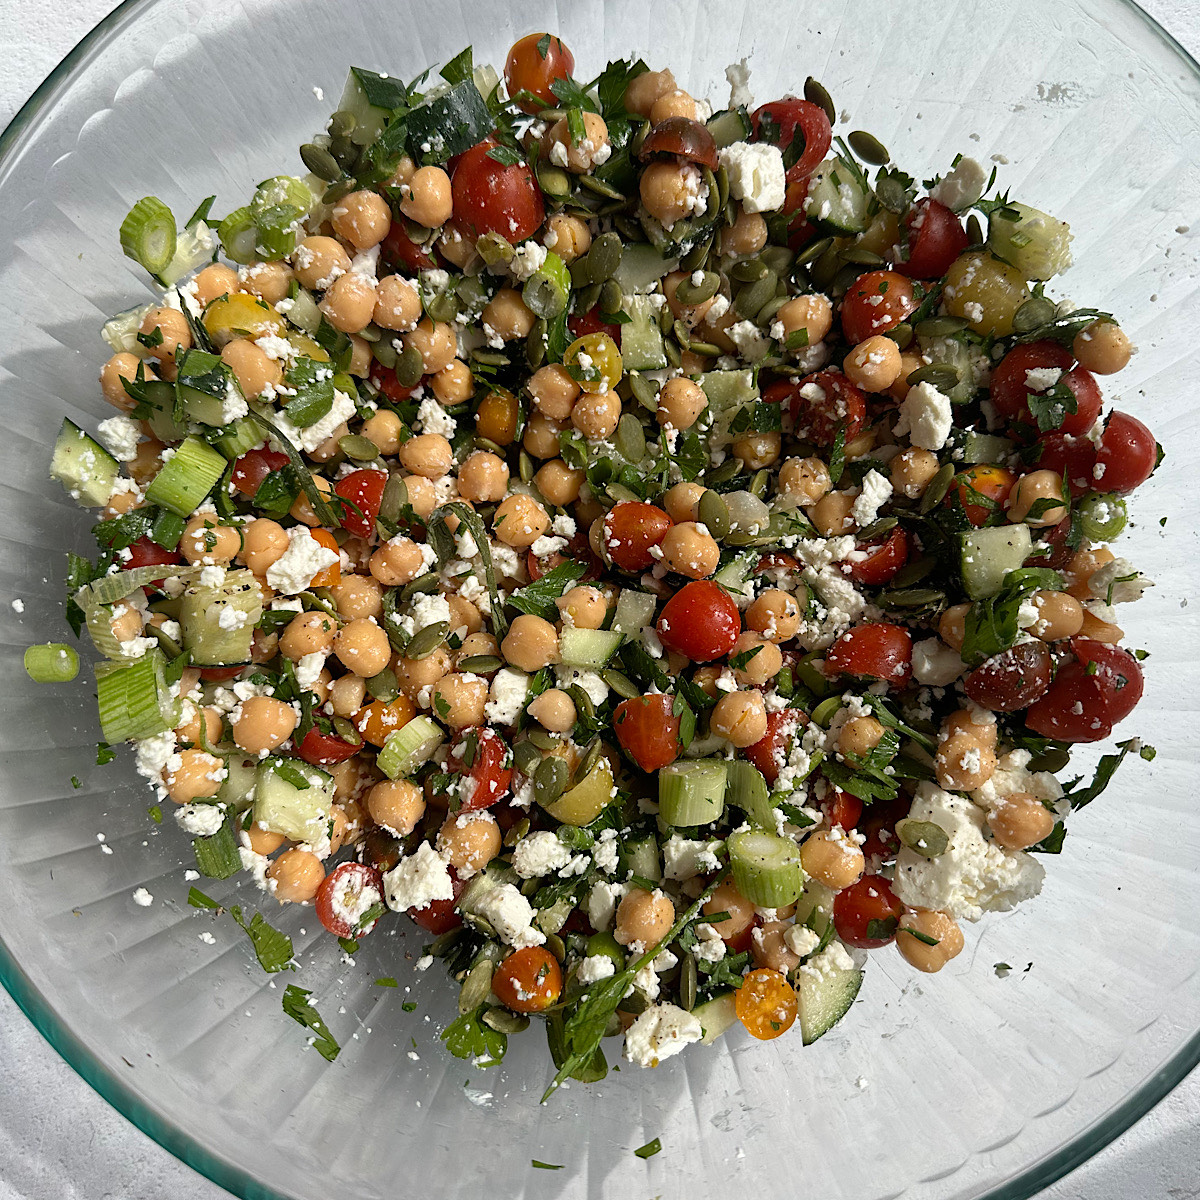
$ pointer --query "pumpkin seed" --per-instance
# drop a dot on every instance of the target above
(709, 182)
(844, 280)
(639, 136)
(752, 297)
(544, 297)
(384, 353)
(877, 529)
(342, 123)
(621, 494)
(441, 946)
(902, 335)
(681, 333)
(583, 706)
(914, 571)
(862, 256)
(320, 162)
(600, 187)
(939, 485)
(395, 497)
(629, 229)
(621, 684)
(503, 1021)
(525, 467)
(550, 780)
(708, 349)
(687, 983)
(581, 272)
(410, 366)
(748, 270)
(527, 756)
(671, 350)
(372, 333)
(357, 447)
(611, 297)
(910, 597)
(553, 180)
(933, 327)
(556, 946)
(814, 93)
(476, 987)
(631, 438)
(480, 664)
(535, 344)
(482, 443)
(494, 249)
(758, 485)
(868, 147)
(543, 739)
(890, 193)
(943, 376)
(923, 837)
(1031, 314)
(811, 253)
(766, 314)
(383, 686)
(725, 472)
(825, 268)
(425, 641)
(346, 731)
(644, 391)
(429, 582)
(490, 358)
(605, 256)
(420, 234)
(588, 297)
(695, 258)
(974, 231)
(550, 115)
(517, 832)
(691, 294)
(343, 150)
(714, 514)
(779, 258)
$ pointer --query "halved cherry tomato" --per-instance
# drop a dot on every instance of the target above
(440, 916)
(876, 650)
(867, 912)
(496, 197)
(381, 850)
(1009, 386)
(843, 811)
(1089, 695)
(399, 250)
(987, 480)
(935, 238)
(1074, 458)
(483, 757)
(364, 490)
(683, 137)
(384, 378)
(878, 826)
(799, 128)
(581, 324)
(377, 721)
(766, 1003)
(529, 980)
(800, 229)
(534, 62)
(885, 560)
(578, 550)
(145, 553)
(701, 621)
(1012, 679)
(324, 749)
(1127, 455)
(631, 530)
(876, 303)
(821, 405)
(770, 752)
(345, 894)
(774, 560)
(648, 730)
(219, 674)
(332, 574)
(1054, 537)
(253, 467)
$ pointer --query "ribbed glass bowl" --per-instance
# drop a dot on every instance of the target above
(963, 1085)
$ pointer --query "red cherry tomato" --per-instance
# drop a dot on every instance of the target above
(1074, 458)
(219, 674)
(884, 560)
(770, 752)
(364, 489)
(700, 621)
(578, 550)
(800, 229)
(344, 895)
(528, 980)
(384, 378)
(1012, 679)
(876, 303)
(324, 749)
(581, 324)
(1118, 673)
(987, 480)
(253, 467)
(490, 767)
(496, 197)
(647, 730)
(631, 529)
(682, 137)
(1126, 457)
(1054, 537)
(1010, 386)
(145, 553)
(844, 810)
(533, 64)
(877, 650)
(878, 826)
(935, 239)
(399, 250)
(440, 916)
(1089, 695)
(799, 128)
(821, 405)
(866, 913)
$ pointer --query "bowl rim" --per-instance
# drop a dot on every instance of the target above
(87, 1064)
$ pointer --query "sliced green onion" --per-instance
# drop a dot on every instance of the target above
(277, 231)
(217, 856)
(745, 788)
(410, 747)
(186, 477)
(1102, 517)
(134, 699)
(238, 233)
(52, 663)
(692, 793)
(120, 584)
(98, 618)
(238, 438)
(766, 868)
(148, 234)
(281, 190)
(214, 642)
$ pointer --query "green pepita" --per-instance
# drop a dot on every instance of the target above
(765, 315)
(587, 298)
(517, 832)
(939, 485)
(862, 256)
(933, 327)
(868, 147)
(816, 94)
(503, 1021)
(910, 597)
(383, 686)
(410, 366)
(590, 758)
(553, 180)
(748, 270)
(644, 391)
(527, 756)
(974, 230)
(384, 353)
(673, 353)
(425, 641)
(778, 258)
(556, 946)
(600, 187)
(535, 344)
(621, 684)
(753, 296)
(346, 731)
(320, 162)
(1033, 313)
(695, 258)
(525, 467)
(687, 983)
(611, 297)
(357, 447)
(543, 739)
(691, 294)
(429, 582)
(342, 123)
(714, 514)
(581, 272)
(476, 987)
(605, 256)
(942, 376)
(490, 358)
(891, 194)
(395, 497)
(631, 438)
(480, 664)
(902, 335)
(923, 837)
(811, 253)
(550, 780)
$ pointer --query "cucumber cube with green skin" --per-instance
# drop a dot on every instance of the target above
(635, 610)
(641, 267)
(729, 389)
(641, 339)
(282, 805)
(217, 622)
(715, 1016)
(589, 649)
(83, 466)
(989, 554)
(824, 999)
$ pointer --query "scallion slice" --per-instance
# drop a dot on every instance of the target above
(692, 793)
(134, 699)
(186, 477)
(148, 234)
(238, 234)
(52, 663)
(410, 747)
(766, 868)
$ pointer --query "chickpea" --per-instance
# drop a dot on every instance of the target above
(363, 647)
(176, 333)
(189, 730)
(459, 700)
(520, 520)
(121, 366)
(302, 509)
(740, 717)
(674, 104)
(873, 365)
(483, 476)
(264, 841)
(559, 483)
(318, 261)
(554, 710)
(583, 607)
(453, 383)
(530, 644)
(358, 596)
(768, 948)
(465, 618)
(469, 841)
(349, 304)
(966, 753)
(643, 917)
(541, 436)
(435, 341)
(307, 633)
(757, 450)
(422, 496)
(119, 503)
(682, 501)
(1102, 347)
(146, 462)
(252, 368)
(747, 235)
(428, 455)
(206, 542)
(579, 157)
(507, 316)
(669, 190)
(1031, 488)
(396, 805)
(329, 448)
(347, 695)
(214, 281)
(939, 926)
(774, 614)
(1019, 820)
(414, 675)
(912, 470)
(952, 625)
(688, 549)
(859, 735)
(831, 858)
(1098, 629)
(860, 446)
(554, 392)
(1059, 616)
(568, 236)
(804, 480)
(320, 686)
(362, 219)
(297, 875)
(126, 621)
(985, 292)
(680, 403)
(196, 775)
(429, 201)
(596, 414)
(264, 723)
(909, 362)
(269, 281)
(645, 89)
(728, 899)
(397, 304)
(1081, 567)
(832, 514)
(766, 661)
(812, 313)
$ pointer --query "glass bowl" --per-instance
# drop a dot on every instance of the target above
(966, 1085)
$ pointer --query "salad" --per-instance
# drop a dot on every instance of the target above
(662, 552)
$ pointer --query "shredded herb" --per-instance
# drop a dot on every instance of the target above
(297, 1006)
(650, 1149)
(273, 948)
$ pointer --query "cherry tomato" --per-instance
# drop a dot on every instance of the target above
(325, 749)
(935, 238)
(399, 250)
(345, 895)
(1053, 537)
(1074, 458)
(876, 303)
(1118, 672)
(986, 479)
(581, 324)
(775, 560)
(800, 229)
(1127, 455)
(866, 913)
(770, 752)
(440, 916)
(145, 553)
(384, 378)
(381, 850)
(483, 757)
(377, 721)
(578, 550)
(878, 826)
(253, 467)
(331, 575)
(885, 560)
(877, 650)
(496, 197)
(821, 405)
(363, 489)
(529, 980)
(843, 811)
(219, 674)
(700, 621)
(1010, 386)
(647, 730)
(533, 64)
(799, 128)
(766, 1003)
(1012, 679)
(1089, 695)
(631, 529)
(683, 137)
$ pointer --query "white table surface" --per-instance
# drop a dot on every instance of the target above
(60, 1141)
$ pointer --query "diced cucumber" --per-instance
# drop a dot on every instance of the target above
(588, 649)
(294, 799)
(745, 788)
(1034, 242)
(85, 469)
(730, 125)
(953, 352)
(989, 554)
(121, 331)
(766, 868)
(206, 387)
(160, 395)
(692, 793)
(368, 119)
(823, 1000)
(639, 854)
(641, 338)
(238, 785)
(715, 1016)
(985, 447)
(214, 638)
(836, 199)
(641, 267)
(729, 389)
(634, 611)
(186, 477)
(737, 573)
(815, 899)
(409, 747)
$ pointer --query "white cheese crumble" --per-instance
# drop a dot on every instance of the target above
(312, 436)
(594, 968)
(685, 858)
(120, 436)
(200, 820)
(662, 1031)
(511, 916)
(305, 557)
(416, 880)
(876, 491)
(936, 664)
(142, 897)
(539, 854)
(962, 186)
(433, 418)
(509, 689)
(756, 175)
(925, 416)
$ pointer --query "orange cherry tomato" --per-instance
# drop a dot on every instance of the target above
(987, 480)
(377, 721)
(533, 64)
(765, 1004)
(528, 980)
(331, 574)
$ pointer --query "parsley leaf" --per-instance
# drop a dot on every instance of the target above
(197, 899)
(297, 1006)
(273, 948)
(1105, 769)
(1051, 407)
(538, 597)
(469, 1037)
(991, 624)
